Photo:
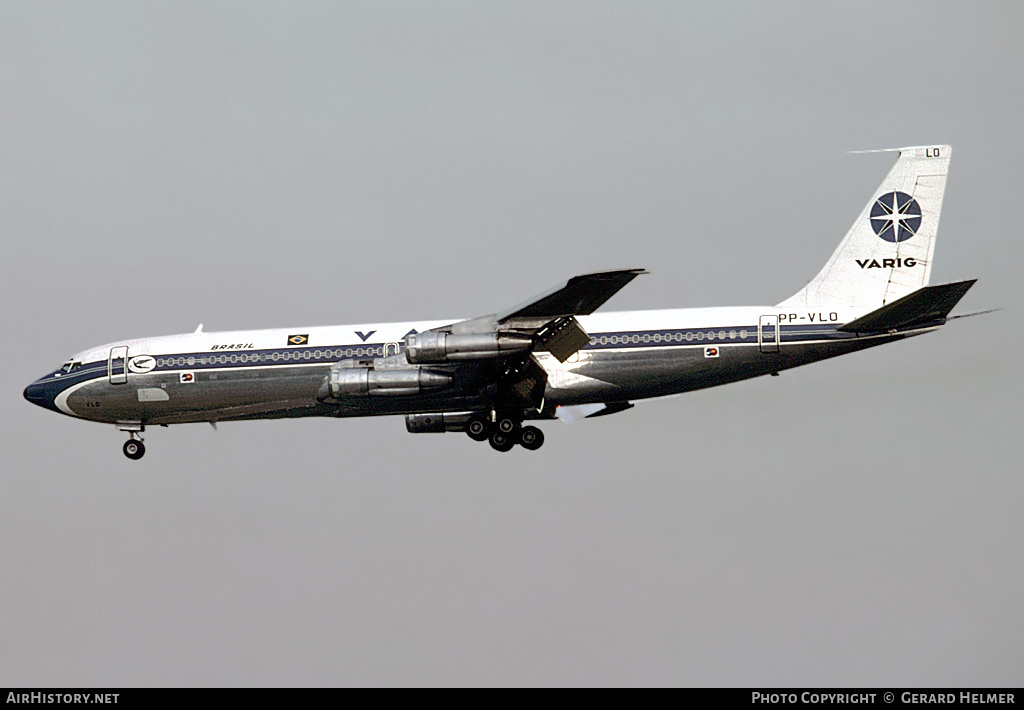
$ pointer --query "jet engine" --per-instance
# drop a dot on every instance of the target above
(435, 346)
(436, 423)
(345, 380)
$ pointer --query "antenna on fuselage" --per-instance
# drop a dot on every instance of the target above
(199, 329)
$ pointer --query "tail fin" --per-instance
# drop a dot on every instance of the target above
(887, 253)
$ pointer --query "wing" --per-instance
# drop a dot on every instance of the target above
(484, 362)
(560, 333)
(507, 340)
(547, 322)
(579, 296)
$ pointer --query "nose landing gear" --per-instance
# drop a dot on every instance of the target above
(133, 448)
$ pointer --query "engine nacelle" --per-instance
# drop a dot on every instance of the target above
(365, 381)
(435, 423)
(434, 346)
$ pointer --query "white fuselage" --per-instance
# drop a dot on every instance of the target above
(277, 373)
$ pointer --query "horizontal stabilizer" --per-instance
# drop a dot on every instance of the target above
(925, 305)
(579, 296)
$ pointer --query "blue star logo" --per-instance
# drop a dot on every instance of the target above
(895, 216)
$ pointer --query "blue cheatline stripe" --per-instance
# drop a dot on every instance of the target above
(599, 341)
(671, 337)
(697, 336)
(87, 371)
(277, 356)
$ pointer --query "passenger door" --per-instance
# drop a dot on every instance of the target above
(117, 365)
(768, 334)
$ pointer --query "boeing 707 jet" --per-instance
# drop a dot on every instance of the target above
(549, 356)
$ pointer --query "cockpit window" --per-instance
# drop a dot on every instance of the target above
(70, 366)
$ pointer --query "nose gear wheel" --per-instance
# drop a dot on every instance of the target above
(134, 449)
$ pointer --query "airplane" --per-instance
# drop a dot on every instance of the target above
(549, 357)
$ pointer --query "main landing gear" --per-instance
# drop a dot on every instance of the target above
(504, 432)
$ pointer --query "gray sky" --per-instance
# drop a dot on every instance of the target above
(247, 165)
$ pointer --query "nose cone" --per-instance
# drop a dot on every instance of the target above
(43, 393)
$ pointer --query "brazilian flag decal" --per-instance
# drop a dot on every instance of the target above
(298, 339)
